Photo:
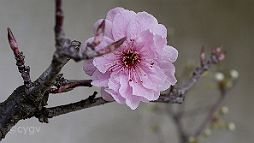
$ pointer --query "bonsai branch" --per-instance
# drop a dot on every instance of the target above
(30, 100)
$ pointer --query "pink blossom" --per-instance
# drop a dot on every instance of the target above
(142, 67)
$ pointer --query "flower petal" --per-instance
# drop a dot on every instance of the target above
(119, 99)
(141, 22)
(104, 62)
(155, 78)
(100, 79)
(111, 14)
(144, 40)
(133, 102)
(139, 90)
(114, 83)
(120, 23)
(160, 43)
(164, 51)
(124, 85)
(152, 74)
(105, 42)
(88, 67)
(169, 70)
(106, 96)
(171, 53)
(160, 29)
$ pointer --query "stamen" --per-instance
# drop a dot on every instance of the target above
(130, 58)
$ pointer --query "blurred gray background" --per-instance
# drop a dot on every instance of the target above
(191, 24)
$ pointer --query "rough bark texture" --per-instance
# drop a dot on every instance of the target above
(18, 106)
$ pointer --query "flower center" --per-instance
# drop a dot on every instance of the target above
(130, 58)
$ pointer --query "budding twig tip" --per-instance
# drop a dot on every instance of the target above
(10, 34)
(12, 41)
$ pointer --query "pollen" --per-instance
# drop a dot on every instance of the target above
(130, 58)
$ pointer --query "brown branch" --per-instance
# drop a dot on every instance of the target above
(23, 103)
(59, 19)
(48, 76)
(83, 104)
(175, 95)
(91, 101)
(70, 85)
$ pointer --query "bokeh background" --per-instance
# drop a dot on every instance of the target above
(191, 24)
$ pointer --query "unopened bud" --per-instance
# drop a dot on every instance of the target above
(231, 126)
(234, 74)
(224, 110)
(219, 76)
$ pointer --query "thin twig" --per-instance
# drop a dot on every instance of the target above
(175, 95)
(70, 85)
(48, 76)
(91, 101)
(210, 115)
(20, 59)
(59, 19)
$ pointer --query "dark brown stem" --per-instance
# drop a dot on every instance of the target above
(18, 106)
(70, 85)
(91, 101)
(83, 104)
(59, 18)
(23, 103)
(59, 60)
